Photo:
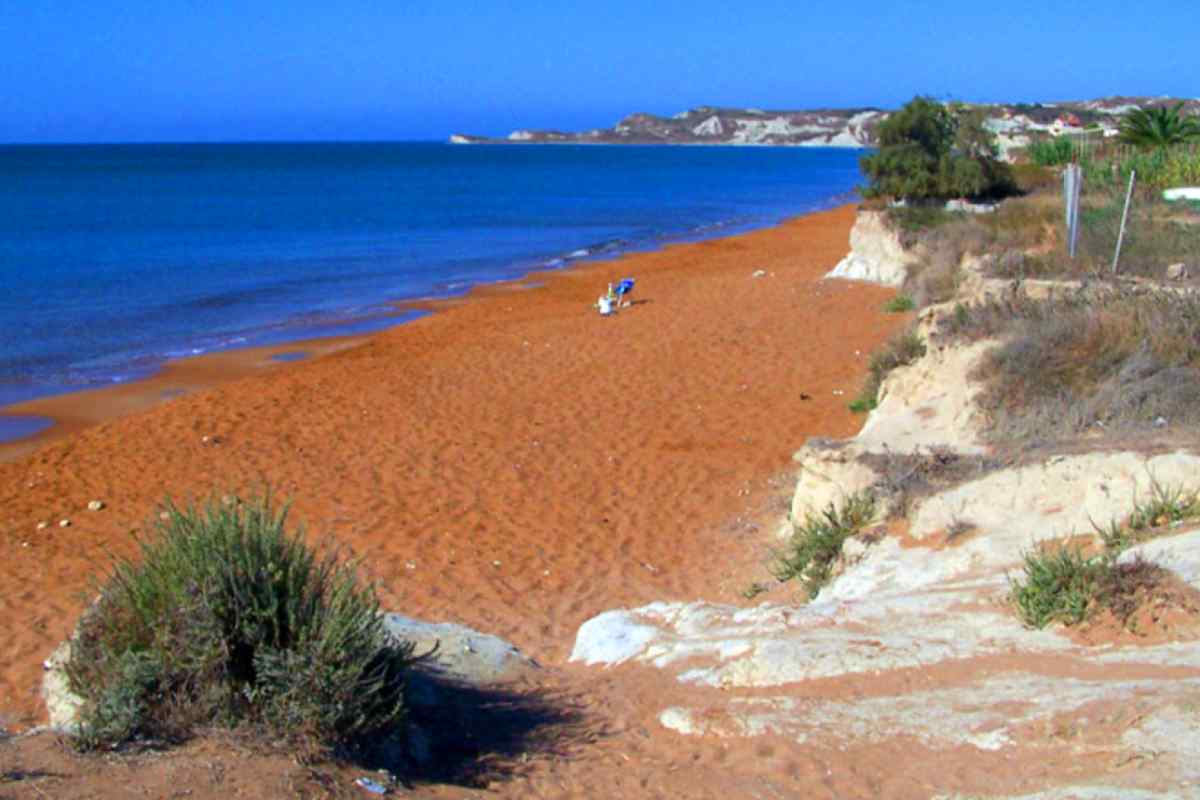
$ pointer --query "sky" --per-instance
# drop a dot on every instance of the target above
(218, 70)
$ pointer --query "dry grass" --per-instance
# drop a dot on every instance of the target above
(1114, 358)
(901, 350)
(907, 478)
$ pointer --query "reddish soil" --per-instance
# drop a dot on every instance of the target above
(513, 462)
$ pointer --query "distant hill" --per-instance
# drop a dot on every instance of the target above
(1013, 123)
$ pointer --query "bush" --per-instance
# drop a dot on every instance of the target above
(229, 620)
(1118, 359)
(816, 544)
(1058, 587)
(899, 304)
(1052, 152)
(904, 349)
(1062, 584)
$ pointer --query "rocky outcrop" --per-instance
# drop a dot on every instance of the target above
(458, 652)
(876, 255)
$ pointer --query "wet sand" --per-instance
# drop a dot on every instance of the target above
(513, 462)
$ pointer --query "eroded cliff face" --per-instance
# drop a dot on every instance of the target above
(876, 254)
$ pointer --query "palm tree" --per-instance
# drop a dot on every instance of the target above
(1159, 126)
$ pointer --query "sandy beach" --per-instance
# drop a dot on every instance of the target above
(514, 461)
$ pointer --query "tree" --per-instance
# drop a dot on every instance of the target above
(1159, 126)
(928, 152)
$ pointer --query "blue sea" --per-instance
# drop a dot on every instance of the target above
(114, 259)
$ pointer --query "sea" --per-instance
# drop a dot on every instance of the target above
(117, 258)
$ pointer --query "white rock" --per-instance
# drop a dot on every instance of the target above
(827, 476)
(1177, 272)
(461, 653)
(62, 705)
(64, 523)
(876, 254)
(929, 403)
(95, 505)
(1180, 554)
(1061, 497)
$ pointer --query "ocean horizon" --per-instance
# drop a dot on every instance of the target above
(117, 258)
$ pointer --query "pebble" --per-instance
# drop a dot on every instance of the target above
(41, 526)
(64, 523)
(95, 505)
(759, 273)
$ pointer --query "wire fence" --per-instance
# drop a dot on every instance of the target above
(1115, 214)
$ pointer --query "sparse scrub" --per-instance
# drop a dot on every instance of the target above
(903, 349)
(817, 543)
(1062, 584)
(226, 619)
(918, 217)
(1114, 358)
(899, 304)
(935, 276)
(1166, 505)
(905, 478)
(1155, 235)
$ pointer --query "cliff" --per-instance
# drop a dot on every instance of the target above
(845, 127)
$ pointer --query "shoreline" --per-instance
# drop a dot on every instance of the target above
(63, 413)
(515, 462)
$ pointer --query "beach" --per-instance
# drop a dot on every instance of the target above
(513, 461)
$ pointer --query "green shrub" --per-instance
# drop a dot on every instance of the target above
(1166, 505)
(1052, 152)
(1063, 585)
(228, 620)
(903, 349)
(816, 544)
(899, 304)
(1059, 586)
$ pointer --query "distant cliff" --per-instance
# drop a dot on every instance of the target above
(842, 127)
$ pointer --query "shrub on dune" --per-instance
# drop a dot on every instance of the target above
(226, 619)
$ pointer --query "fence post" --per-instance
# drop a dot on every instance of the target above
(1072, 180)
(1124, 217)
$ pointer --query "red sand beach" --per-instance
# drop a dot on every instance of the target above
(514, 462)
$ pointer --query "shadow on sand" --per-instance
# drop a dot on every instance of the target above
(471, 735)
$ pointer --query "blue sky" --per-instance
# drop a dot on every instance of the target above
(205, 70)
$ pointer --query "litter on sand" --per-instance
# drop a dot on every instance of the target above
(371, 786)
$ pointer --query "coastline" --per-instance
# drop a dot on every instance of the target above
(63, 413)
(514, 462)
